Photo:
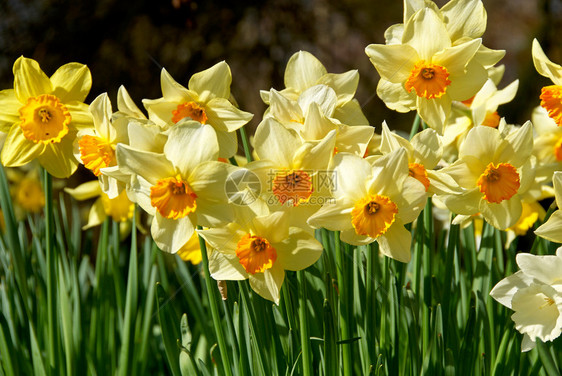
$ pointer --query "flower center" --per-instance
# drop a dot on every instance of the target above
(492, 119)
(44, 119)
(373, 215)
(191, 110)
(548, 302)
(551, 100)
(173, 198)
(418, 172)
(293, 185)
(119, 208)
(96, 153)
(499, 182)
(29, 195)
(255, 254)
(558, 150)
(428, 80)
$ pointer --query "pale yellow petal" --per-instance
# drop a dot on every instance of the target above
(226, 267)
(212, 83)
(393, 62)
(96, 216)
(275, 142)
(465, 85)
(169, 234)
(428, 149)
(268, 284)
(298, 251)
(58, 159)
(435, 111)
(552, 229)
(426, 32)
(544, 66)
(172, 91)
(101, 113)
(303, 71)
(350, 113)
(396, 242)
(395, 96)
(502, 215)
(456, 58)
(85, 191)
(465, 18)
(18, 150)
(224, 116)
(344, 84)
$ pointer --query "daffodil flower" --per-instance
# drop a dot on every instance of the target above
(373, 202)
(426, 71)
(551, 96)
(535, 294)
(260, 248)
(120, 208)
(304, 71)
(182, 187)
(424, 153)
(206, 100)
(294, 172)
(26, 190)
(42, 115)
(493, 171)
(552, 228)
(482, 109)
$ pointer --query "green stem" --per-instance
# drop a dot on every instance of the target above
(305, 337)
(372, 253)
(212, 292)
(415, 126)
(51, 259)
(344, 307)
(245, 144)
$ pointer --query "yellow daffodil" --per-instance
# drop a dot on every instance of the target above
(493, 171)
(260, 247)
(535, 294)
(180, 189)
(191, 250)
(551, 96)
(120, 208)
(552, 228)
(206, 100)
(373, 202)
(424, 153)
(26, 190)
(427, 70)
(43, 114)
(304, 71)
(293, 172)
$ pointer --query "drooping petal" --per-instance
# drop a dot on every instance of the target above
(58, 159)
(395, 96)
(18, 150)
(396, 242)
(171, 234)
(268, 284)
(298, 251)
(226, 267)
(502, 215)
(435, 111)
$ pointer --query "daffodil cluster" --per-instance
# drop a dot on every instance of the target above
(317, 161)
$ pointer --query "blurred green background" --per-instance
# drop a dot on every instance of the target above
(127, 43)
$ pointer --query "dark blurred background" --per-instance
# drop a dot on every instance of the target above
(128, 42)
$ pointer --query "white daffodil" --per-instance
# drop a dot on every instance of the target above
(373, 202)
(535, 294)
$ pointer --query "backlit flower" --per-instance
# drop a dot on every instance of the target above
(206, 100)
(373, 202)
(43, 114)
(552, 228)
(493, 170)
(260, 247)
